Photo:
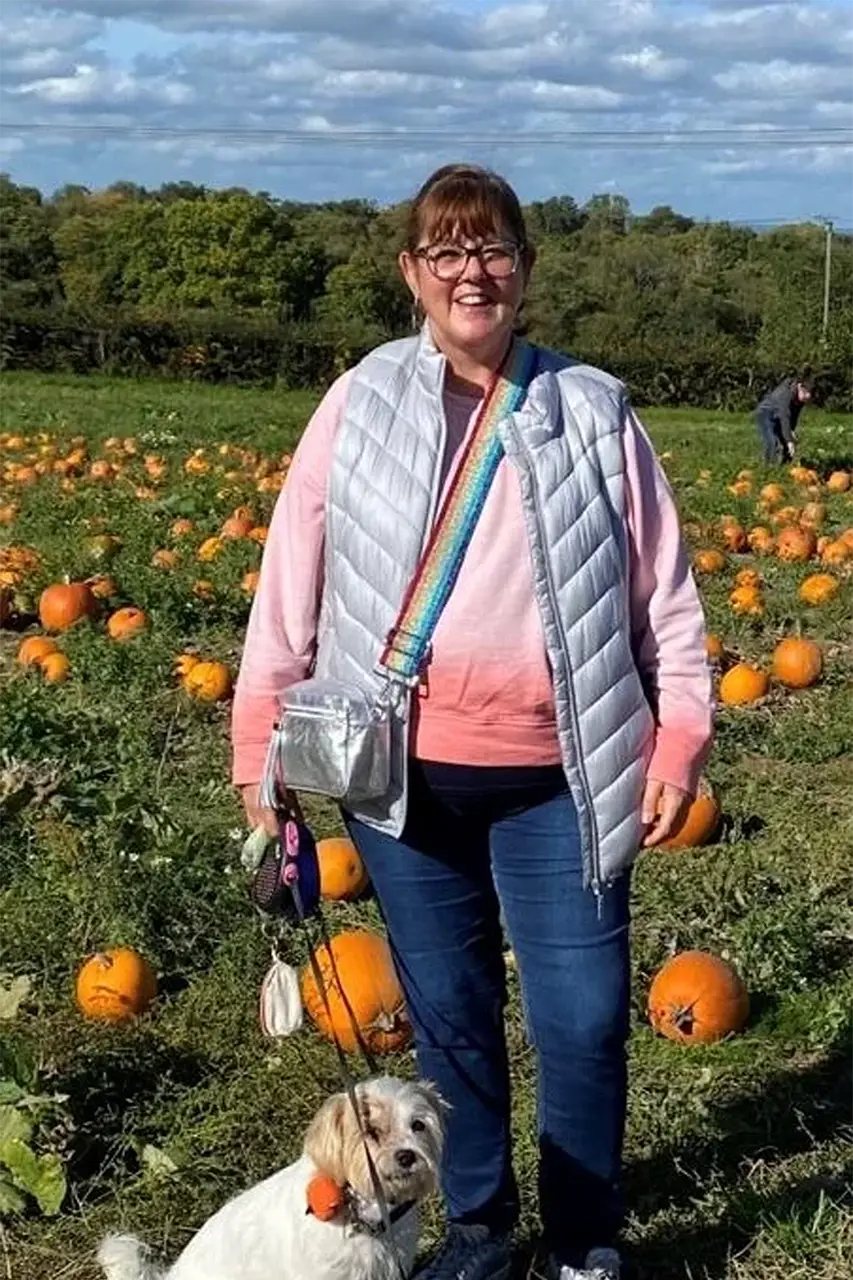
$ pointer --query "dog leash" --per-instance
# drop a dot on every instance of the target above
(388, 1219)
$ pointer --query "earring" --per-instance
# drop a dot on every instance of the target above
(415, 314)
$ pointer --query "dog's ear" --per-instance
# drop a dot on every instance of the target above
(325, 1139)
(431, 1096)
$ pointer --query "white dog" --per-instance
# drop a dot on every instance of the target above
(268, 1233)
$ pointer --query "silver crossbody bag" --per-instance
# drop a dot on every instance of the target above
(335, 737)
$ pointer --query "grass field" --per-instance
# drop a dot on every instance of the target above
(118, 825)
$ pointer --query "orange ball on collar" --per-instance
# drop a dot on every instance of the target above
(325, 1197)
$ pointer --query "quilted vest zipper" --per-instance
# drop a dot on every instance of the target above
(535, 531)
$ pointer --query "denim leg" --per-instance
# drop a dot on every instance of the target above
(435, 891)
(771, 437)
(573, 960)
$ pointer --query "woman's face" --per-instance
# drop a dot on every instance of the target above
(470, 301)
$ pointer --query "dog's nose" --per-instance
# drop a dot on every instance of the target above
(405, 1157)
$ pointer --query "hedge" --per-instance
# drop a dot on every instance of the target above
(213, 348)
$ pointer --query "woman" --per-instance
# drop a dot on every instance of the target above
(561, 721)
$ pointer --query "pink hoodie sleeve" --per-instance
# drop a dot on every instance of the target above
(282, 629)
(667, 619)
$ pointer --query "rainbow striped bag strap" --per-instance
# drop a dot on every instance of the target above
(408, 641)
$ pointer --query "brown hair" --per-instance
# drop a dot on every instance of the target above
(463, 199)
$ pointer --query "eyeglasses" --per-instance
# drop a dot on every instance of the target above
(450, 261)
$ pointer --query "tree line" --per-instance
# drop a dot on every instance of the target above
(231, 283)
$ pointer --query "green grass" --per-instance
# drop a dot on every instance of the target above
(119, 826)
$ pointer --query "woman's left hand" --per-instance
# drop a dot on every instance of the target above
(663, 808)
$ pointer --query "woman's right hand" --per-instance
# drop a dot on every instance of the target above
(258, 815)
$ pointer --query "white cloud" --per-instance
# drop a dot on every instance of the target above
(225, 75)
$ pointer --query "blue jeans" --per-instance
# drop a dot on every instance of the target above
(484, 847)
(770, 430)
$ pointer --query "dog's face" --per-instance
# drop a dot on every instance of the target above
(403, 1129)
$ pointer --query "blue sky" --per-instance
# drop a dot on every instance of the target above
(328, 99)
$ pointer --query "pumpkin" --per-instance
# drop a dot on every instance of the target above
(741, 488)
(115, 985)
(785, 516)
(714, 648)
(734, 536)
(748, 578)
(709, 561)
(819, 588)
(696, 998)
(8, 512)
(325, 1197)
(699, 824)
(126, 623)
(209, 681)
(743, 684)
(358, 963)
(203, 589)
(772, 494)
(797, 662)
(748, 600)
(847, 538)
(184, 663)
(237, 526)
(165, 558)
(181, 527)
(34, 648)
(54, 667)
(835, 552)
(64, 603)
(103, 470)
(813, 514)
(796, 544)
(259, 534)
(838, 482)
(209, 549)
(102, 586)
(342, 873)
(249, 582)
(760, 540)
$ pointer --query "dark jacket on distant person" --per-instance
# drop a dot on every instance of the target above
(784, 405)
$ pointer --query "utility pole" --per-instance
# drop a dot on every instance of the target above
(827, 269)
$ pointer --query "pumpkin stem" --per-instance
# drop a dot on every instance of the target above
(682, 1019)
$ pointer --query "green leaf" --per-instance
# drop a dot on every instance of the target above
(14, 1124)
(18, 1063)
(41, 1176)
(11, 1200)
(157, 1161)
(13, 992)
(11, 1091)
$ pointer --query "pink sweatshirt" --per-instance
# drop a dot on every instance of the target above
(488, 698)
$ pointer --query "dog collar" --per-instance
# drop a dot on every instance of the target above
(365, 1226)
(328, 1201)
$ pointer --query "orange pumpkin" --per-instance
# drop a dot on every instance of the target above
(237, 526)
(249, 582)
(748, 578)
(325, 1197)
(181, 527)
(734, 536)
(360, 966)
(796, 544)
(102, 586)
(165, 558)
(115, 985)
(835, 551)
(342, 873)
(126, 623)
(813, 514)
(847, 538)
(203, 589)
(747, 600)
(209, 681)
(797, 662)
(743, 684)
(34, 648)
(696, 998)
(785, 516)
(760, 540)
(64, 603)
(699, 824)
(772, 494)
(209, 549)
(54, 667)
(819, 588)
(709, 561)
(184, 663)
(714, 648)
(838, 482)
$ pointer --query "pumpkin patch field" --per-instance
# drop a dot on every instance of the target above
(141, 1084)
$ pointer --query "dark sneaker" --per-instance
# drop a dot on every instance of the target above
(469, 1253)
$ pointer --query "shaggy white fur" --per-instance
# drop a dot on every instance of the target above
(266, 1232)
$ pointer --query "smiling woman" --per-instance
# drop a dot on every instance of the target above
(518, 763)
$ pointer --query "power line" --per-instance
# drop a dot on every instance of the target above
(629, 139)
